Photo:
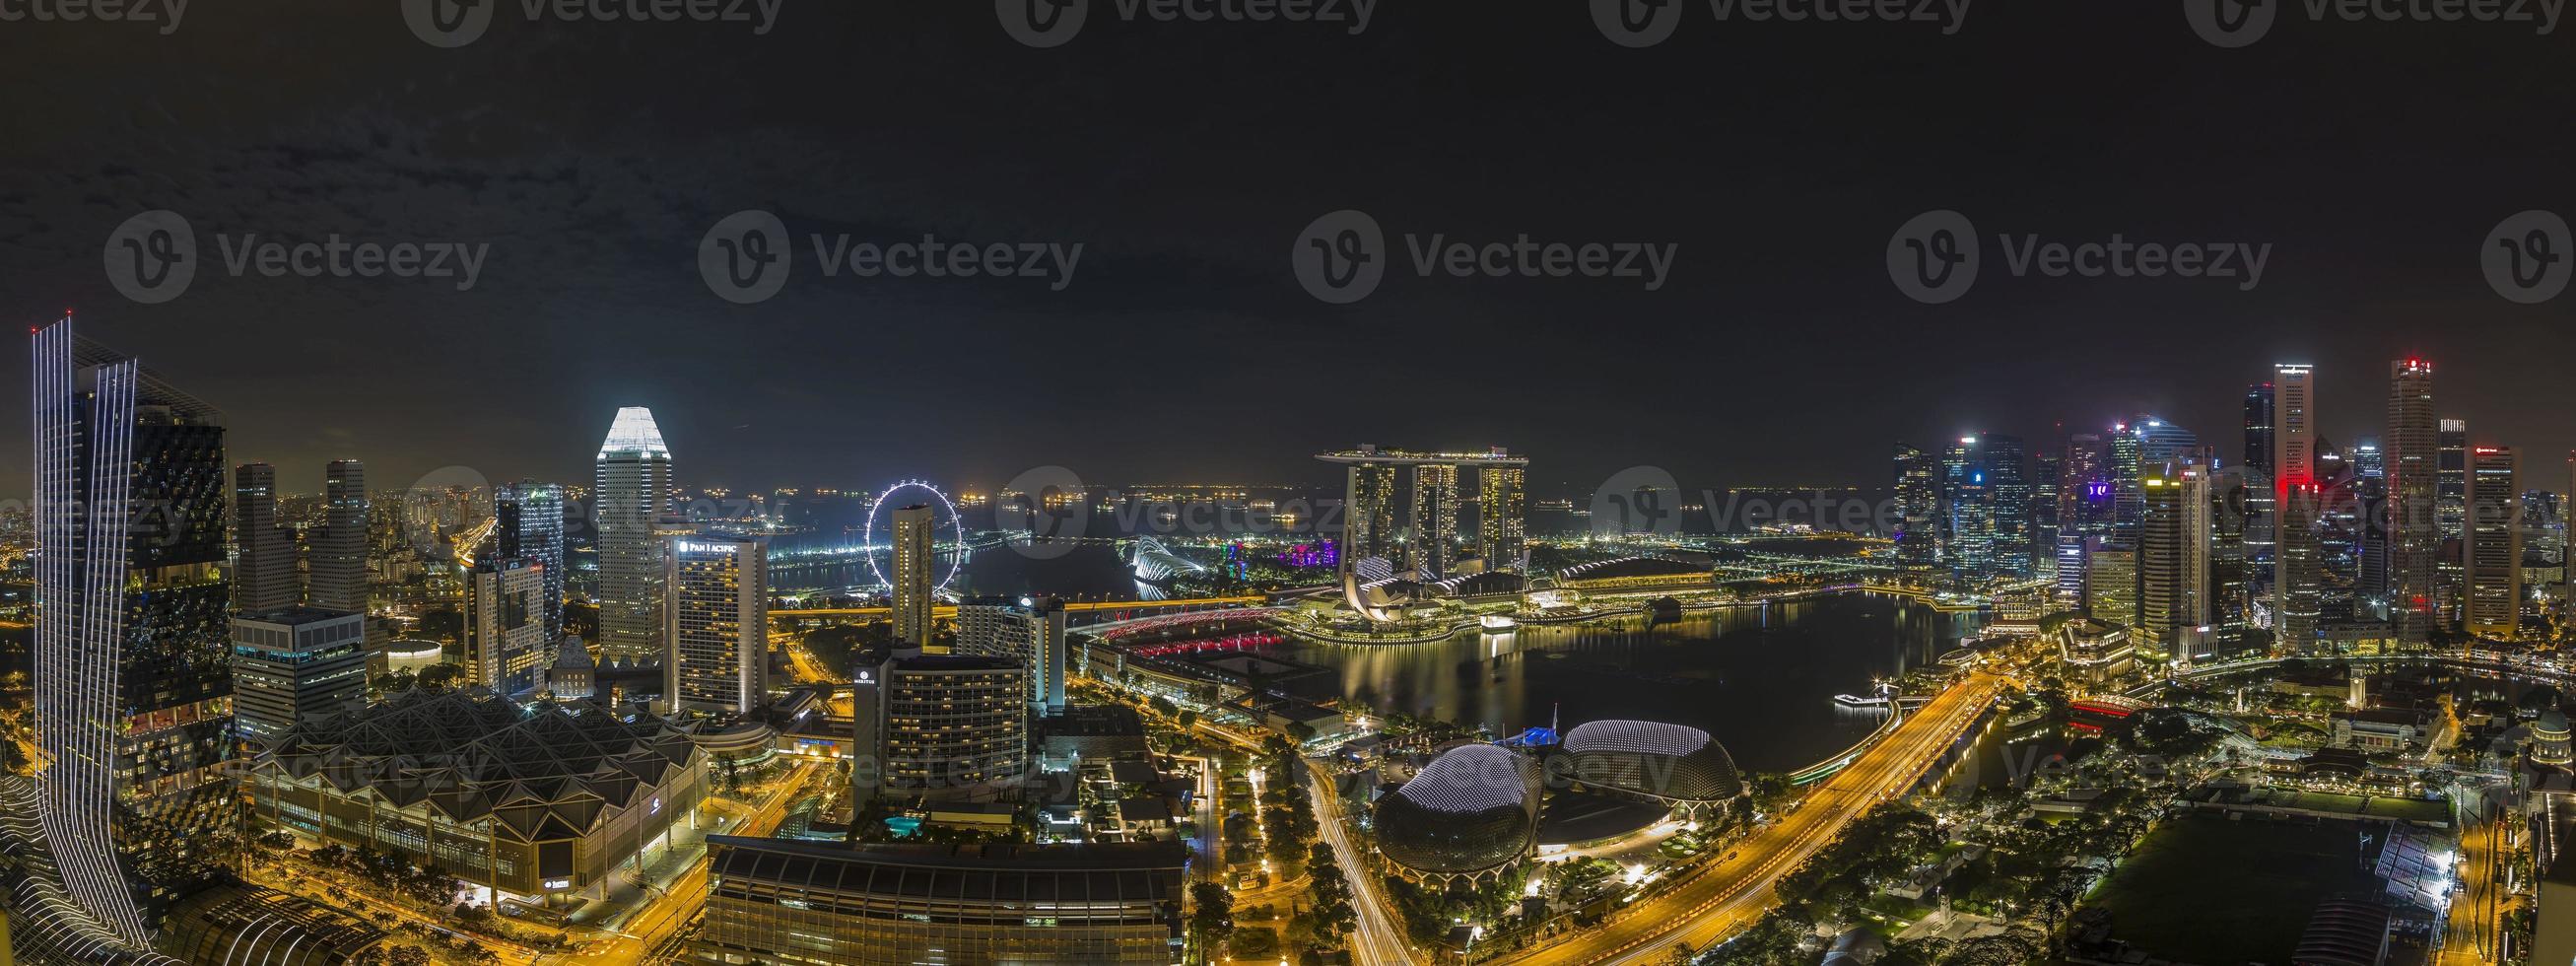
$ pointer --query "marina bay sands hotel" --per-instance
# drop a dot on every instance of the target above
(1426, 545)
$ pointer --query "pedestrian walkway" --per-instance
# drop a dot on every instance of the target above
(660, 866)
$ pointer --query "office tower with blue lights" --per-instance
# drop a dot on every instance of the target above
(132, 637)
(264, 563)
(1968, 504)
(719, 660)
(2491, 606)
(529, 522)
(2008, 479)
(1918, 508)
(632, 494)
(338, 555)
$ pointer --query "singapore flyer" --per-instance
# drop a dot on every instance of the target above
(880, 525)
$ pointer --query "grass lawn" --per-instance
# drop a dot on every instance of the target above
(2209, 891)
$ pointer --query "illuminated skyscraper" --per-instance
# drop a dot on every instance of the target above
(1501, 511)
(2295, 604)
(1369, 530)
(2110, 582)
(264, 566)
(2414, 540)
(529, 522)
(339, 550)
(2128, 499)
(1434, 521)
(2297, 587)
(913, 528)
(2492, 606)
(719, 632)
(296, 664)
(1968, 505)
(1918, 507)
(2008, 482)
(633, 493)
(1027, 631)
(2450, 510)
(2173, 558)
(2228, 526)
(506, 647)
(131, 642)
(2047, 481)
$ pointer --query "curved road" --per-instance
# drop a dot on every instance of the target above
(1718, 900)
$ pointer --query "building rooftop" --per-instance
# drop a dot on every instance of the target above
(552, 773)
(294, 615)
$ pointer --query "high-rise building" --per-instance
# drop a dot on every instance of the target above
(1918, 506)
(1968, 505)
(2111, 582)
(1501, 512)
(2258, 426)
(2450, 510)
(2229, 523)
(506, 648)
(2048, 479)
(1028, 631)
(264, 567)
(2369, 506)
(1434, 520)
(2009, 492)
(2161, 442)
(2492, 553)
(294, 664)
(2173, 559)
(2295, 605)
(2414, 539)
(941, 727)
(131, 640)
(719, 660)
(338, 559)
(632, 494)
(2128, 499)
(528, 521)
(2297, 585)
(1374, 548)
(912, 554)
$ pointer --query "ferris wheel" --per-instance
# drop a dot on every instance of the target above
(944, 517)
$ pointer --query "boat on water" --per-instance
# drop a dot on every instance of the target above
(1497, 622)
(1856, 701)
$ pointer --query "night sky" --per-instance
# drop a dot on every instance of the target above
(593, 157)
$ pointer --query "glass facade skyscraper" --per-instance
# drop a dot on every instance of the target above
(633, 493)
(132, 677)
(529, 522)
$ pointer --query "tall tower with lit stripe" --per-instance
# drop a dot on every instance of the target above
(633, 492)
(133, 682)
(2414, 531)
